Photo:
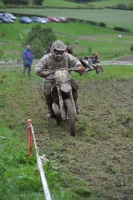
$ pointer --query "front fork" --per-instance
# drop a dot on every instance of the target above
(73, 103)
(62, 109)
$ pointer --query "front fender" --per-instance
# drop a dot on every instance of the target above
(66, 87)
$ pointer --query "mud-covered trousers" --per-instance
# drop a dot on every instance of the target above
(47, 91)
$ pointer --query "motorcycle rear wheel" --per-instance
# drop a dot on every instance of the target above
(70, 121)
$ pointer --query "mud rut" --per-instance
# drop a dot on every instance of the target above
(102, 151)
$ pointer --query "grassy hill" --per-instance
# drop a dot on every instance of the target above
(111, 3)
(90, 39)
(100, 4)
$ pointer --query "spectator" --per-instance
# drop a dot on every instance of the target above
(69, 49)
(48, 50)
(20, 36)
(27, 57)
(2, 33)
(76, 42)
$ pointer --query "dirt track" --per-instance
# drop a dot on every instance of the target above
(102, 151)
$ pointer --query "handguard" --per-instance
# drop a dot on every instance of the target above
(79, 69)
(45, 73)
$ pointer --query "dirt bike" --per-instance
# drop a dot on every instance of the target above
(63, 105)
(91, 65)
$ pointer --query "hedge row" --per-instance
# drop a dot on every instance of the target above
(55, 7)
(121, 29)
(45, 7)
(102, 24)
(88, 22)
(120, 8)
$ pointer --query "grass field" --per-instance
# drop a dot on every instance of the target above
(91, 39)
(112, 3)
(63, 3)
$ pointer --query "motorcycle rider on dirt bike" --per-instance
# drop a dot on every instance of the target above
(46, 66)
(93, 58)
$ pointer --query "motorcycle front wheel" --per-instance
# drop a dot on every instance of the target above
(99, 69)
(70, 121)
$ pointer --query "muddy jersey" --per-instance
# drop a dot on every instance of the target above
(48, 63)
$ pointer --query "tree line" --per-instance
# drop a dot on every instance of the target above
(37, 2)
(22, 2)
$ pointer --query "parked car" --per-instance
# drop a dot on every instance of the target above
(45, 19)
(63, 19)
(9, 15)
(9, 20)
(38, 19)
(3, 19)
(52, 19)
(25, 19)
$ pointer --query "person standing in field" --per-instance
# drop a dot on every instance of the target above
(27, 57)
(2, 33)
(20, 36)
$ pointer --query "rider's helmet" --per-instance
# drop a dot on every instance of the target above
(95, 54)
(58, 49)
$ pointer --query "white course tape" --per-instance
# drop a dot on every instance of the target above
(42, 174)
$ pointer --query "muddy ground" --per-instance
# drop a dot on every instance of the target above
(102, 151)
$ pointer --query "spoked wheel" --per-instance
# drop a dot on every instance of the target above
(70, 121)
(99, 69)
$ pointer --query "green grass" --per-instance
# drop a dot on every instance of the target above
(110, 72)
(111, 3)
(19, 175)
(61, 3)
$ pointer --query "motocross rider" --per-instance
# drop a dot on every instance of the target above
(93, 58)
(46, 66)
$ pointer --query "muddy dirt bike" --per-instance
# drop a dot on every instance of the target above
(63, 105)
(91, 65)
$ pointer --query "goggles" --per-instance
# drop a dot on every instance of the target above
(58, 52)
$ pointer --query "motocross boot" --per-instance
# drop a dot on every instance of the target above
(49, 111)
(77, 108)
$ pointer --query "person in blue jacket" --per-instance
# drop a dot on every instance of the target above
(27, 57)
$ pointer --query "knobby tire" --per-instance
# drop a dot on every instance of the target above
(70, 122)
(99, 69)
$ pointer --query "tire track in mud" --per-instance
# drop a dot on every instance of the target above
(100, 154)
